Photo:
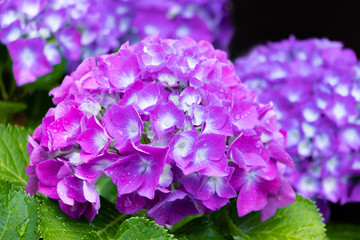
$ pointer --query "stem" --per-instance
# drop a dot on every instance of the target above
(12, 87)
(2, 87)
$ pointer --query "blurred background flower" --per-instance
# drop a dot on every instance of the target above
(315, 87)
(74, 30)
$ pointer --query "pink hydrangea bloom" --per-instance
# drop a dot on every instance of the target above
(175, 130)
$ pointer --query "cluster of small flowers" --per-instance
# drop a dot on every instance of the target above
(207, 20)
(173, 127)
(38, 32)
(315, 87)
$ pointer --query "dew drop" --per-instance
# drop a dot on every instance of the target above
(21, 228)
(237, 117)
(258, 144)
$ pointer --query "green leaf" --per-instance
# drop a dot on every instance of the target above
(13, 154)
(141, 229)
(203, 228)
(6, 108)
(300, 220)
(107, 189)
(340, 231)
(12, 107)
(55, 224)
(184, 221)
(18, 214)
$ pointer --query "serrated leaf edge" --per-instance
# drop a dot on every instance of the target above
(154, 224)
(22, 191)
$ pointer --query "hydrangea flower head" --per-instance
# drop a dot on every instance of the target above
(173, 127)
(315, 87)
(79, 29)
(201, 20)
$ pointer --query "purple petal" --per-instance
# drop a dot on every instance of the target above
(29, 60)
(52, 53)
(11, 32)
(250, 199)
(47, 170)
(54, 19)
(123, 123)
(218, 122)
(166, 118)
(215, 202)
(122, 71)
(69, 41)
(130, 203)
(74, 211)
(51, 192)
(173, 208)
(32, 185)
(31, 8)
(138, 172)
(91, 170)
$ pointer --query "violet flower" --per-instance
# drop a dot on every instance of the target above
(315, 87)
(79, 29)
(175, 130)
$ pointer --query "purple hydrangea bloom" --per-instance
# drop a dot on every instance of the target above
(94, 27)
(175, 130)
(201, 20)
(315, 87)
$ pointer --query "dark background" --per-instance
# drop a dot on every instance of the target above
(259, 21)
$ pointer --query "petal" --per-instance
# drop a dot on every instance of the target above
(250, 199)
(130, 203)
(123, 123)
(215, 202)
(90, 192)
(127, 173)
(47, 172)
(91, 170)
